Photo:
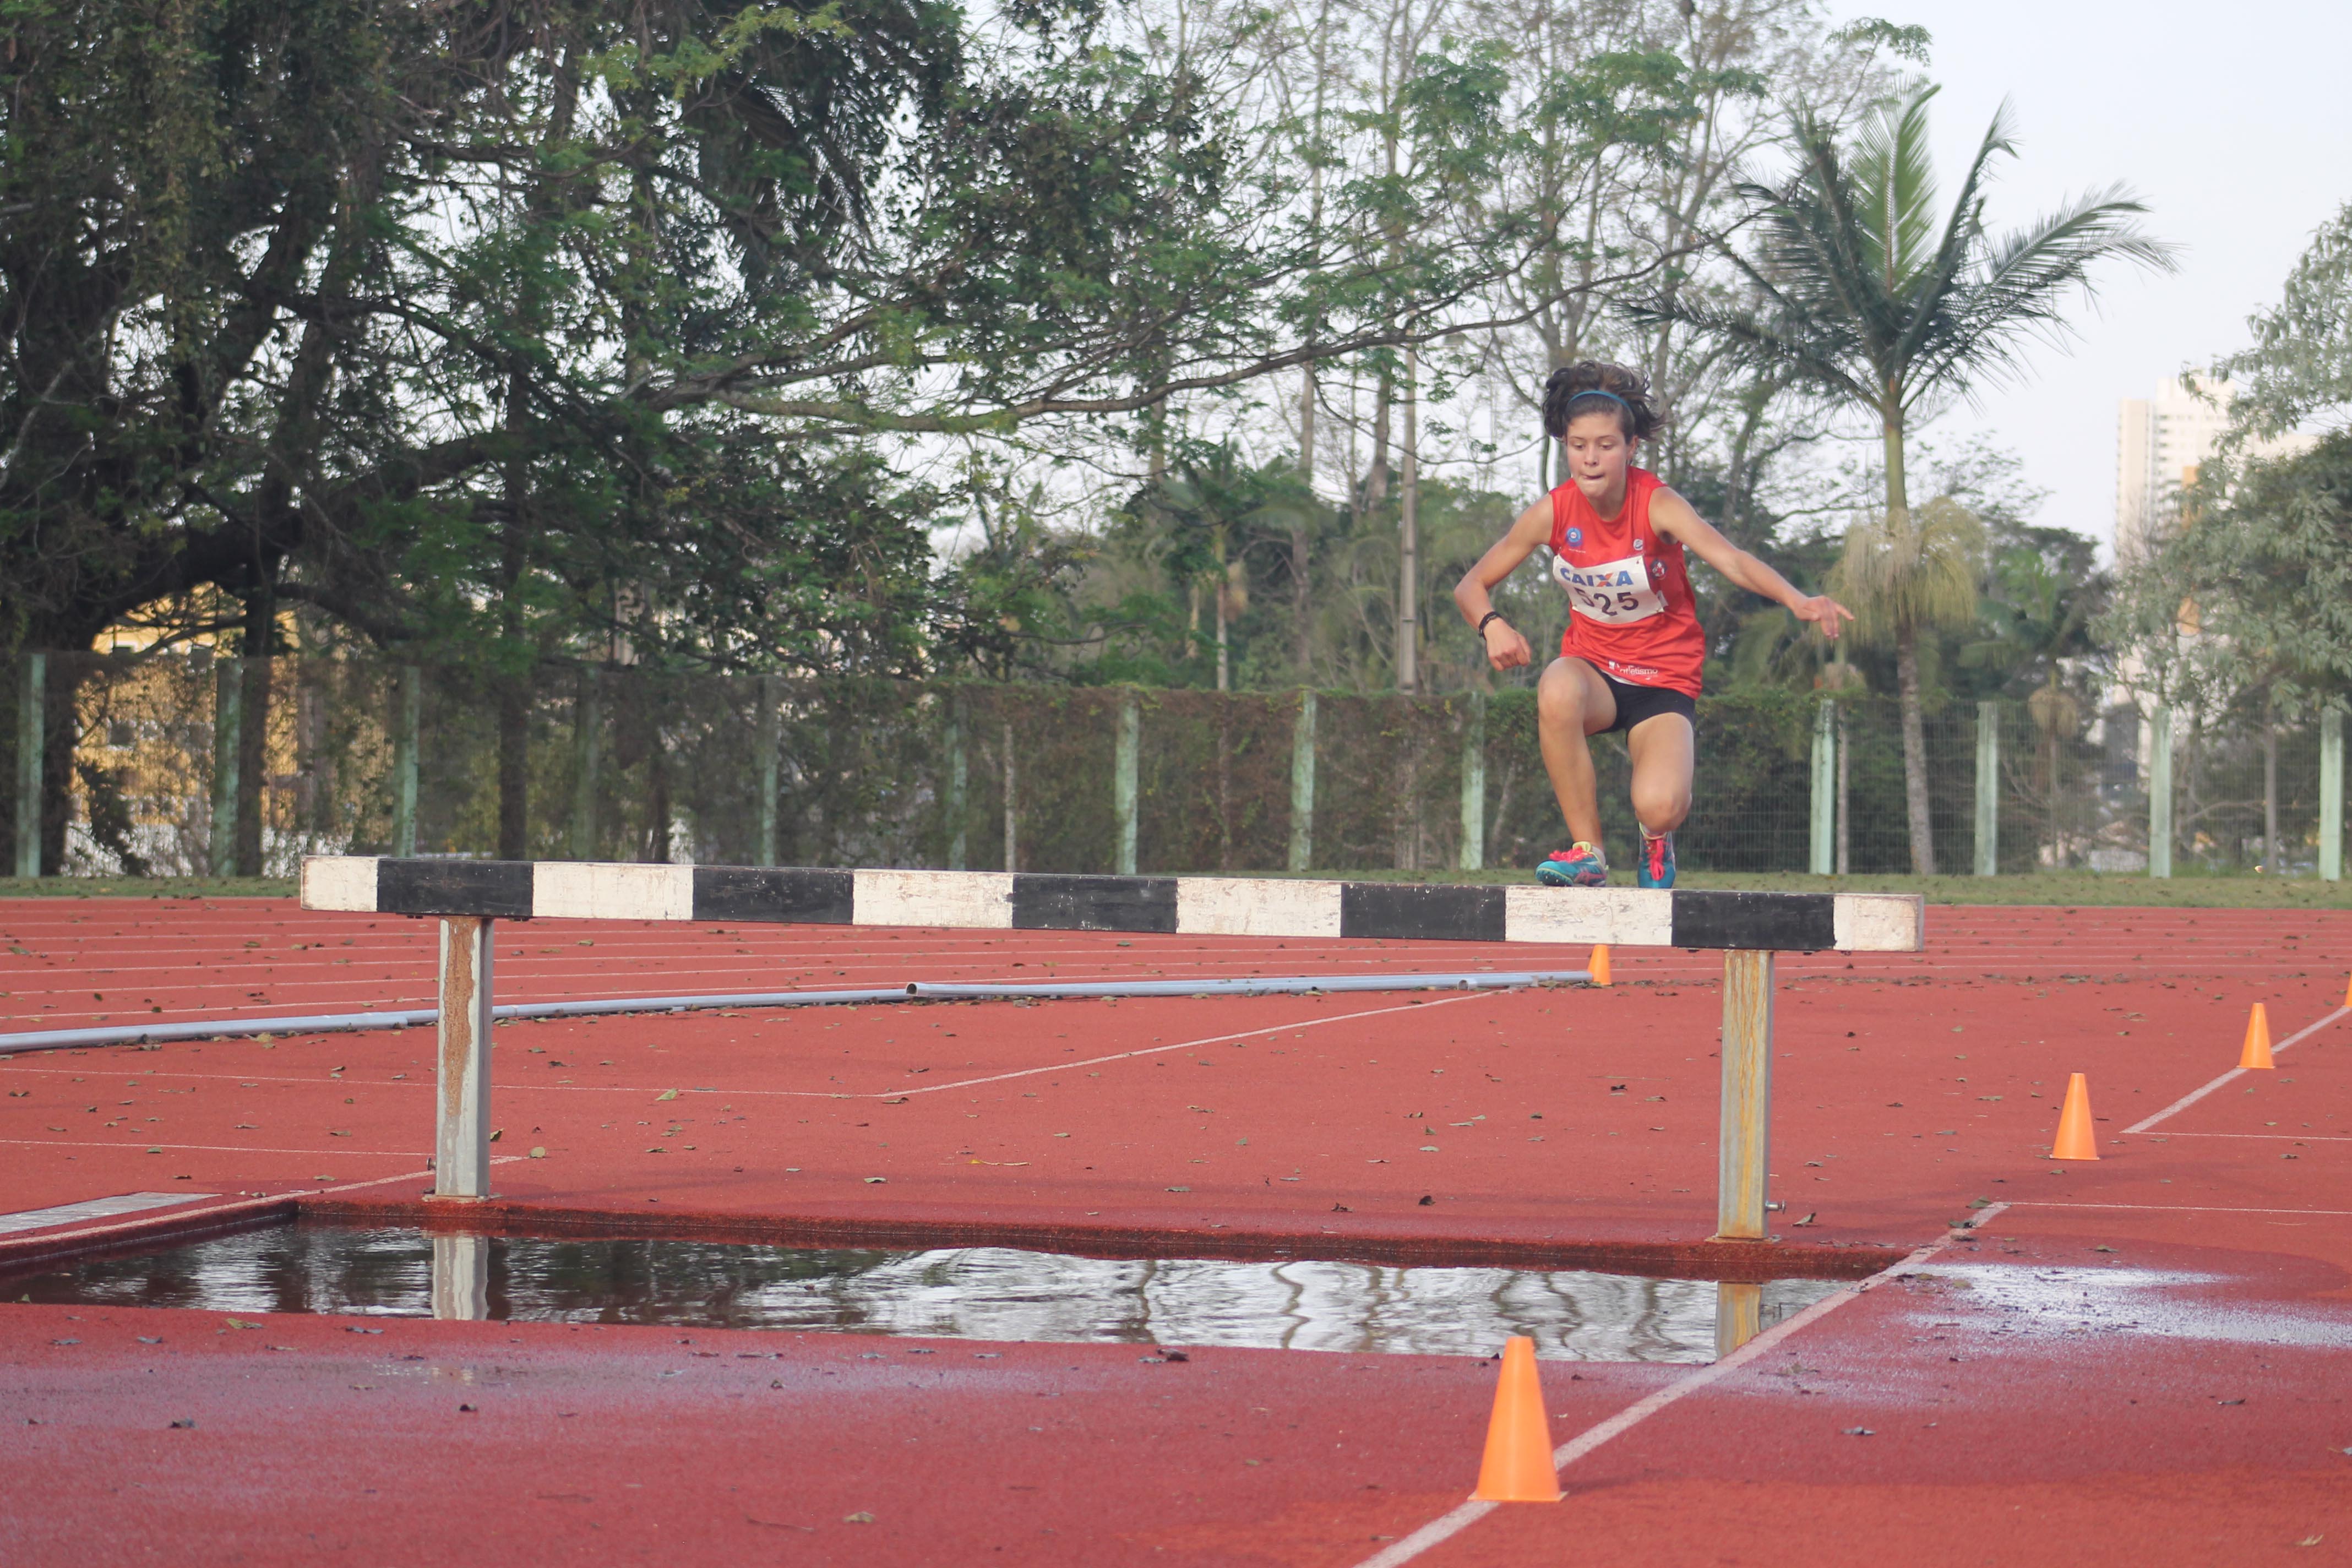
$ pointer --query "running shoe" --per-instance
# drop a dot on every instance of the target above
(1580, 865)
(1657, 866)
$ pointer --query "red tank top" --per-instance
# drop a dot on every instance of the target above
(1628, 596)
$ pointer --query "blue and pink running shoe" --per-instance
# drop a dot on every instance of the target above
(1657, 866)
(1580, 865)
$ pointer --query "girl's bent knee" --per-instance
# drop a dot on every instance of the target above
(1559, 699)
(1662, 811)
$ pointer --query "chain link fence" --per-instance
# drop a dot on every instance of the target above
(187, 764)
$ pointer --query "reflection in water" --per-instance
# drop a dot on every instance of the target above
(1739, 1315)
(461, 1277)
(978, 1293)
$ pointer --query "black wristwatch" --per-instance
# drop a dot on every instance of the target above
(1489, 615)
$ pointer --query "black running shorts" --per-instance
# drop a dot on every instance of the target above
(1635, 703)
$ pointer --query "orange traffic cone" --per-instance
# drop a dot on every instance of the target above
(1598, 964)
(2075, 1140)
(1517, 1467)
(2256, 1053)
(2348, 993)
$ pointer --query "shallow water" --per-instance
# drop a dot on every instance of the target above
(973, 1292)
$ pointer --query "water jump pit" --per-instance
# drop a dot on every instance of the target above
(997, 1294)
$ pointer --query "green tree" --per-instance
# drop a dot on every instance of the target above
(2250, 585)
(498, 337)
(1865, 298)
(1199, 518)
(2042, 593)
(2260, 576)
(2299, 366)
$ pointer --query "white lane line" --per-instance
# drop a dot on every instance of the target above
(1021, 1072)
(1448, 1525)
(255, 1079)
(2165, 1208)
(2193, 1096)
(1124, 1056)
(219, 1148)
(95, 1208)
(2276, 1137)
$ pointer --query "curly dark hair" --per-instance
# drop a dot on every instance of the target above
(1591, 386)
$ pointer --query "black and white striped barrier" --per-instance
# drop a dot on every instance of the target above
(1173, 906)
(470, 895)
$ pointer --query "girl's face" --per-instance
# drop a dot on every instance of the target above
(1599, 452)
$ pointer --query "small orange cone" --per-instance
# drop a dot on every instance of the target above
(2256, 1054)
(2075, 1140)
(1517, 1467)
(1598, 964)
(2348, 993)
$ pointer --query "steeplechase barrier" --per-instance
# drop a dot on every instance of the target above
(470, 896)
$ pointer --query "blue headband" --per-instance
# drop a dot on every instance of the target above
(1597, 392)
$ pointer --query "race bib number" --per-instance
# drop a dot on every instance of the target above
(1615, 593)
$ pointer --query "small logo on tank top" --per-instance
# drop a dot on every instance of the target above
(1657, 570)
(1575, 536)
(1637, 542)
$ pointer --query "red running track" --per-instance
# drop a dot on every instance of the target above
(81, 963)
(2085, 1416)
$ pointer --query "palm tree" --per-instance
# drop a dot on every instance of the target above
(2041, 615)
(1907, 575)
(1861, 298)
(1208, 503)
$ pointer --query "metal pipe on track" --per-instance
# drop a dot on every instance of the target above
(913, 991)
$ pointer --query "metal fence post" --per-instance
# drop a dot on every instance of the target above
(2159, 793)
(957, 841)
(32, 738)
(1746, 1149)
(1302, 784)
(772, 744)
(408, 713)
(1988, 789)
(2331, 795)
(1012, 798)
(461, 1143)
(588, 719)
(229, 719)
(1821, 841)
(1474, 786)
(1123, 778)
(1845, 798)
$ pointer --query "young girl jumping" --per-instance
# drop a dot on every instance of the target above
(1631, 658)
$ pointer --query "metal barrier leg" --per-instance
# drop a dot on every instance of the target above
(461, 1144)
(1746, 1138)
(1739, 1315)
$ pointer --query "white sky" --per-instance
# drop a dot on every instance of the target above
(2231, 125)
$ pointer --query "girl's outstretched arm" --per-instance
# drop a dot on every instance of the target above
(1506, 649)
(1672, 516)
